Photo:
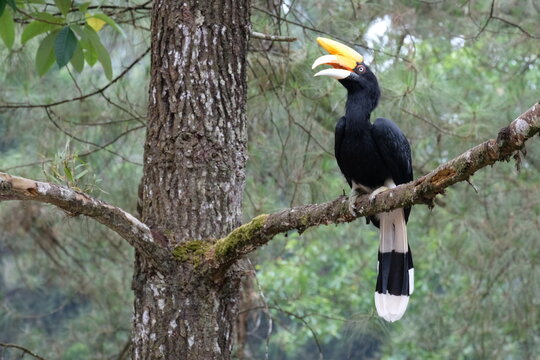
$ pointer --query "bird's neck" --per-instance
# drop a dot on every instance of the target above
(359, 107)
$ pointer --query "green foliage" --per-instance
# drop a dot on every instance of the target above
(45, 53)
(7, 28)
(4, 3)
(36, 28)
(65, 283)
(77, 36)
(448, 90)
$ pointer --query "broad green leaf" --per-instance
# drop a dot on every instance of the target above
(12, 4)
(78, 59)
(49, 18)
(90, 54)
(63, 5)
(45, 53)
(34, 29)
(64, 46)
(95, 23)
(78, 30)
(7, 28)
(110, 22)
(101, 51)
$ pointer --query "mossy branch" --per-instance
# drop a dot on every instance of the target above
(423, 190)
(219, 255)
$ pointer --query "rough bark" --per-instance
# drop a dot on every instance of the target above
(195, 155)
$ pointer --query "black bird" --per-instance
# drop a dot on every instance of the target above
(373, 157)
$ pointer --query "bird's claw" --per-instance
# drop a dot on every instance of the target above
(352, 201)
(376, 192)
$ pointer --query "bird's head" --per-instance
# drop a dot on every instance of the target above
(349, 68)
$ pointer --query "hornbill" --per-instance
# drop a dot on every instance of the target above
(373, 157)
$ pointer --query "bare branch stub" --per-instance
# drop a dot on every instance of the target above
(261, 36)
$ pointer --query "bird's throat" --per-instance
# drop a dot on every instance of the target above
(359, 107)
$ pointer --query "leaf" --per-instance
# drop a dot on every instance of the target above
(3, 4)
(49, 18)
(34, 29)
(84, 7)
(101, 51)
(7, 29)
(64, 46)
(63, 5)
(67, 172)
(45, 53)
(81, 174)
(95, 23)
(110, 22)
(90, 54)
(78, 59)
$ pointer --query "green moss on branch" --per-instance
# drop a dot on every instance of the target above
(192, 251)
(240, 238)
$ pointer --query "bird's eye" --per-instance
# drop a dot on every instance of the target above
(361, 69)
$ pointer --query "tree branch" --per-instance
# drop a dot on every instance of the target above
(261, 36)
(76, 203)
(423, 190)
(23, 349)
(219, 255)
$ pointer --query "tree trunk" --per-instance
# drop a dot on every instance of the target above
(194, 160)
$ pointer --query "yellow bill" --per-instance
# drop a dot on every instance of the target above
(341, 56)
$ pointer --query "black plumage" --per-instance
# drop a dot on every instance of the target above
(367, 153)
(373, 157)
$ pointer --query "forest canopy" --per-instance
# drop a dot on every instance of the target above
(452, 74)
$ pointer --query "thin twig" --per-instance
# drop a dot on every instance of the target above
(78, 98)
(258, 35)
(23, 349)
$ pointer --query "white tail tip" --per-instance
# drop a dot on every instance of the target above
(391, 307)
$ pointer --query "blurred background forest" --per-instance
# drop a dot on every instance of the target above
(452, 74)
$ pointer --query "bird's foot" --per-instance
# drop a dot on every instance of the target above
(355, 193)
(377, 192)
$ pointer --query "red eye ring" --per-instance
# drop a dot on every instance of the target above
(361, 69)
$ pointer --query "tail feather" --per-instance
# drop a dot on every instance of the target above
(395, 273)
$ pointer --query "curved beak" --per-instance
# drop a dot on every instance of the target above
(342, 58)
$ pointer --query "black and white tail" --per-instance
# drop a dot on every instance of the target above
(395, 272)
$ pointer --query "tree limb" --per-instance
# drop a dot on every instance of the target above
(261, 36)
(219, 255)
(76, 203)
(423, 190)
